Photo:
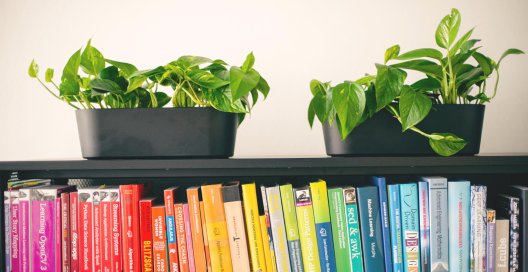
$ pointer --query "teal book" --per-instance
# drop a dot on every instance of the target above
(393, 193)
(410, 227)
(458, 195)
(370, 224)
(339, 229)
(354, 232)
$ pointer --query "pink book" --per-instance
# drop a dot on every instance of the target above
(74, 231)
(115, 223)
(65, 232)
(57, 249)
(188, 237)
(15, 231)
(23, 199)
(96, 217)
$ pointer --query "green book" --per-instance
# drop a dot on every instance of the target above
(292, 231)
(354, 232)
(306, 223)
(339, 229)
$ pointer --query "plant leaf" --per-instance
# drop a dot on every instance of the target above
(311, 113)
(221, 99)
(263, 87)
(468, 45)
(426, 84)
(428, 67)
(389, 82)
(49, 74)
(467, 76)
(69, 87)
(316, 86)
(92, 61)
(461, 42)
(446, 144)
(511, 51)
(366, 80)
(206, 79)
(484, 63)
(105, 86)
(71, 69)
(127, 69)
(190, 61)
(33, 69)
(248, 63)
(162, 98)
(349, 102)
(319, 106)
(447, 30)
(392, 52)
(421, 53)
(242, 82)
(158, 71)
(414, 107)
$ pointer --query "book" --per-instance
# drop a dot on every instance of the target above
(129, 198)
(235, 226)
(354, 231)
(188, 238)
(425, 228)
(323, 226)
(270, 262)
(370, 225)
(266, 246)
(107, 198)
(336, 204)
(393, 192)
(179, 223)
(292, 230)
(159, 239)
(508, 206)
(381, 183)
(410, 227)
(23, 199)
(96, 231)
(15, 230)
(439, 222)
(306, 224)
(490, 238)
(521, 192)
(115, 222)
(169, 195)
(74, 228)
(502, 240)
(193, 198)
(253, 228)
(216, 226)
(205, 238)
(278, 229)
(459, 193)
(65, 232)
(85, 228)
(7, 226)
(477, 250)
(146, 233)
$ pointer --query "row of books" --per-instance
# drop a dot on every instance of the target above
(430, 225)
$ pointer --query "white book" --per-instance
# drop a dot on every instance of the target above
(278, 229)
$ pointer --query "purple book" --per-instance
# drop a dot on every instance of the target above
(491, 234)
(23, 199)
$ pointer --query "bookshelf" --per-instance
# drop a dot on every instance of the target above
(493, 171)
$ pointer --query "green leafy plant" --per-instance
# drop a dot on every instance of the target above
(449, 80)
(89, 81)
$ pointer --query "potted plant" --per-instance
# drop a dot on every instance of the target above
(442, 112)
(120, 110)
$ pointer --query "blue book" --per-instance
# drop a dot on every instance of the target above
(384, 217)
(323, 226)
(370, 223)
(395, 227)
(459, 220)
(410, 227)
(423, 203)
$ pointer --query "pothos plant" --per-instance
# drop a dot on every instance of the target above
(89, 81)
(457, 76)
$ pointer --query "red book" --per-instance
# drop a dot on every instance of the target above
(145, 229)
(85, 229)
(159, 239)
(106, 229)
(130, 195)
(172, 241)
(65, 232)
(180, 236)
(96, 232)
(115, 224)
(74, 223)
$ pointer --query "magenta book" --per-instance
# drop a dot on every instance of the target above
(15, 231)
(23, 199)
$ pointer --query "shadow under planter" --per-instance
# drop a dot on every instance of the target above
(382, 135)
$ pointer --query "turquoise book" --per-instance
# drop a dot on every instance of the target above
(384, 217)
(370, 223)
(410, 227)
(458, 201)
(354, 232)
(393, 193)
(339, 229)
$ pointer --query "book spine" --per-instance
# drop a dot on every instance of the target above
(159, 239)
(439, 222)
(271, 262)
(323, 226)
(96, 232)
(15, 231)
(369, 219)
(145, 233)
(57, 247)
(423, 205)
(180, 237)
(306, 224)
(235, 226)
(172, 239)
(459, 237)
(116, 236)
(396, 229)
(410, 227)
(24, 230)
(478, 229)
(502, 250)
(354, 233)
(205, 238)
(196, 229)
(130, 195)
(190, 251)
(42, 229)
(282, 255)
(106, 230)
(490, 234)
(339, 229)
(509, 207)
(85, 225)
(74, 227)
(65, 232)
(8, 218)
(385, 226)
(266, 246)
(217, 236)
(253, 228)
(292, 230)
(521, 192)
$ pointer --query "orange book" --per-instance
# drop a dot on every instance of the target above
(206, 241)
(216, 228)
(159, 239)
(179, 223)
(193, 198)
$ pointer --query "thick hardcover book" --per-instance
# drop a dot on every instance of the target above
(439, 222)
(253, 228)
(508, 206)
(354, 231)
(96, 231)
(65, 232)
(159, 239)
(323, 226)
(205, 238)
(179, 223)
(169, 195)
(235, 226)
(369, 219)
(384, 216)
(477, 251)
(85, 229)
(490, 238)
(339, 229)
(278, 228)
(115, 223)
(410, 227)
(292, 230)
(145, 232)
(459, 194)
(193, 197)
(74, 228)
(267, 249)
(423, 205)
(188, 238)
(7, 225)
(521, 192)
(15, 230)
(393, 192)
(23, 199)
(502, 248)
(306, 223)
(218, 238)
(130, 196)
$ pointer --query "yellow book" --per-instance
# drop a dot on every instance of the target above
(216, 228)
(265, 239)
(254, 231)
(306, 222)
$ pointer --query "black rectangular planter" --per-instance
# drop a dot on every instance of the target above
(156, 133)
(382, 134)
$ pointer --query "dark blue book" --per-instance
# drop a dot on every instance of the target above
(384, 217)
(370, 225)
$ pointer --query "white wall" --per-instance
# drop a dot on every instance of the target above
(293, 41)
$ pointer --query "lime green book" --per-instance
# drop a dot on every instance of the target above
(292, 231)
(306, 222)
(339, 229)
(323, 226)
